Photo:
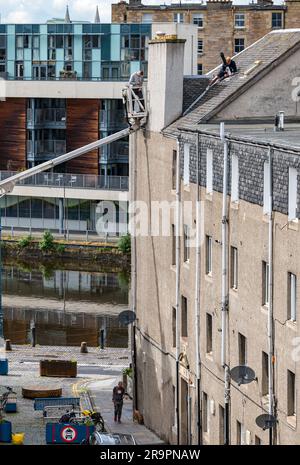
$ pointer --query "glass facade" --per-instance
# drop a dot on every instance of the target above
(73, 51)
(113, 157)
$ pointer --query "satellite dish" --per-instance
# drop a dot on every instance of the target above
(242, 374)
(265, 421)
(126, 318)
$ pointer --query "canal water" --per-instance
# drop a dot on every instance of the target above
(65, 307)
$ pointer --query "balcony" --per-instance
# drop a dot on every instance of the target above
(46, 117)
(112, 119)
(72, 181)
(46, 149)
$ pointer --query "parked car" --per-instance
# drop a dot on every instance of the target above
(105, 439)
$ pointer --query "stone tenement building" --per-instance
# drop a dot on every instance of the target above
(208, 305)
(222, 25)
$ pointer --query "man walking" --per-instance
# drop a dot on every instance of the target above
(117, 398)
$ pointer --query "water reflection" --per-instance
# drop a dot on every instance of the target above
(65, 306)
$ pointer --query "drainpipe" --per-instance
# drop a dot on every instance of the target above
(177, 303)
(197, 297)
(132, 145)
(225, 291)
(270, 284)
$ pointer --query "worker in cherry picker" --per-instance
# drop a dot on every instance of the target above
(136, 82)
(228, 68)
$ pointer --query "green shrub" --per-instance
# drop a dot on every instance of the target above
(60, 248)
(47, 242)
(24, 242)
(128, 372)
(124, 244)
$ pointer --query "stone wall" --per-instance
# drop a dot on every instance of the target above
(218, 32)
(251, 169)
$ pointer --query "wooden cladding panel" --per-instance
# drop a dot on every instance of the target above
(82, 129)
(13, 134)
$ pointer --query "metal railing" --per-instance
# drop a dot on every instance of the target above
(72, 181)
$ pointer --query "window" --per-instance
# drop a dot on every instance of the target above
(174, 326)
(265, 283)
(293, 177)
(239, 20)
(234, 178)
(265, 374)
(173, 245)
(291, 393)
(200, 68)
(184, 319)
(204, 412)
(186, 243)
(267, 187)
(276, 20)
(240, 433)
(221, 424)
(257, 441)
(209, 171)
(292, 296)
(147, 18)
(242, 342)
(174, 169)
(209, 336)
(208, 255)
(178, 17)
(234, 267)
(200, 46)
(186, 163)
(239, 45)
(198, 20)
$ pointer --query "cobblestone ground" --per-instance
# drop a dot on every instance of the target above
(24, 370)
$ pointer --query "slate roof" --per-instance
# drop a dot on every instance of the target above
(269, 50)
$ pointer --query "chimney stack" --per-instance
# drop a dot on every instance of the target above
(165, 80)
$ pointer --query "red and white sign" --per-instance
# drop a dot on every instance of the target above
(68, 434)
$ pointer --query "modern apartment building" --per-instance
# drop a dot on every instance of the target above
(222, 24)
(63, 89)
(204, 296)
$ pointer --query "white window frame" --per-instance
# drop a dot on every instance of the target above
(237, 47)
(199, 64)
(266, 277)
(208, 255)
(198, 17)
(279, 13)
(234, 178)
(237, 18)
(293, 181)
(267, 186)
(186, 164)
(234, 268)
(147, 18)
(292, 302)
(200, 46)
(178, 18)
(209, 171)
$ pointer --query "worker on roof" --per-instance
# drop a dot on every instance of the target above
(136, 82)
(227, 69)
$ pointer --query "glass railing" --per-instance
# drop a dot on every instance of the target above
(40, 116)
(46, 148)
(72, 181)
